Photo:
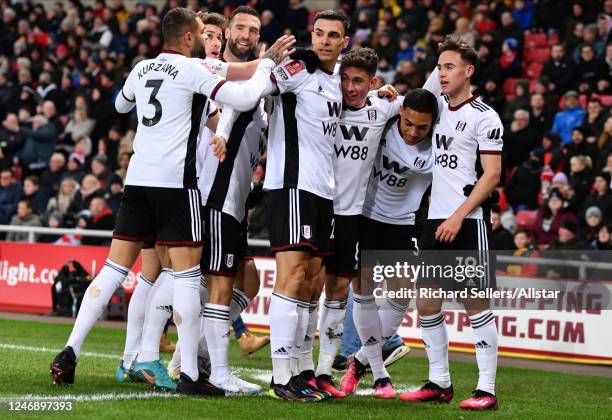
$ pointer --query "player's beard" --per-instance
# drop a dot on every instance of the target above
(198, 50)
(234, 49)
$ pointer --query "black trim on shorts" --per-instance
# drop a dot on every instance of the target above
(197, 109)
(292, 149)
(223, 175)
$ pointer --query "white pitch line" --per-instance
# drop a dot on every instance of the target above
(49, 350)
(111, 396)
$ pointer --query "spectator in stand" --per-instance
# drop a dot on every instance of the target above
(407, 75)
(520, 101)
(559, 70)
(124, 161)
(101, 218)
(521, 190)
(524, 248)
(62, 202)
(462, 29)
(551, 99)
(590, 37)
(523, 13)
(590, 69)
(74, 167)
(590, 224)
(603, 242)
(550, 217)
(539, 117)
(493, 95)
(32, 192)
(386, 48)
(10, 193)
(595, 118)
(601, 197)
(271, 29)
(99, 168)
(509, 29)
(80, 125)
(296, 18)
(570, 118)
(487, 68)
(510, 61)
(519, 140)
(10, 141)
(52, 220)
(114, 194)
(55, 172)
(500, 237)
(579, 147)
(90, 189)
(567, 239)
(24, 217)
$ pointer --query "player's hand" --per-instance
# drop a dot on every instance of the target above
(281, 49)
(218, 144)
(448, 230)
(309, 57)
(389, 92)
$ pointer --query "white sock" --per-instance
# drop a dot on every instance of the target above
(300, 335)
(96, 298)
(332, 326)
(216, 330)
(202, 345)
(391, 316)
(367, 323)
(135, 320)
(485, 339)
(239, 303)
(157, 314)
(305, 361)
(187, 308)
(435, 338)
(283, 323)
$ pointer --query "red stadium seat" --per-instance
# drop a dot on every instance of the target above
(534, 70)
(538, 55)
(606, 100)
(553, 39)
(525, 219)
(535, 40)
(582, 99)
(509, 86)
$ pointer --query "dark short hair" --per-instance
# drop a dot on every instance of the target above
(455, 43)
(214, 19)
(362, 58)
(335, 14)
(244, 9)
(176, 23)
(26, 202)
(422, 100)
(34, 179)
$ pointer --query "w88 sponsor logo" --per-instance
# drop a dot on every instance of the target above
(446, 160)
(351, 152)
(388, 178)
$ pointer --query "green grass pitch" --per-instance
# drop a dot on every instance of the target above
(26, 349)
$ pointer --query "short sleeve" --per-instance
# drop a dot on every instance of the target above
(211, 109)
(393, 107)
(204, 79)
(489, 134)
(288, 75)
(217, 66)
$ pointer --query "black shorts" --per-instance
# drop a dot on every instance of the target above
(300, 221)
(225, 242)
(380, 236)
(472, 242)
(171, 216)
(345, 259)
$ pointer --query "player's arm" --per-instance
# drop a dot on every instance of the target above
(232, 71)
(432, 83)
(212, 123)
(126, 99)
(489, 133)
(244, 97)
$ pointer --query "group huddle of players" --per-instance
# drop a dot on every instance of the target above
(346, 170)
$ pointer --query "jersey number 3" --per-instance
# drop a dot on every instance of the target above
(155, 84)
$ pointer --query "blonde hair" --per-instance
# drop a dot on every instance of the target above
(585, 161)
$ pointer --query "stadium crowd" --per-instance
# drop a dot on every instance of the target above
(64, 151)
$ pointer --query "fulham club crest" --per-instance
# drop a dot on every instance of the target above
(229, 260)
(372, 115)
(306, 232)
(419, 163)
(460, 126)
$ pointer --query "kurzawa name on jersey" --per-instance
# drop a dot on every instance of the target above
(160, 67)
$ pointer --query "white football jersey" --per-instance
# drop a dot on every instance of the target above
(400, 176)
(355, 150)
(303, 129)
(226, 186)
(460, 136)
(172, 93)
